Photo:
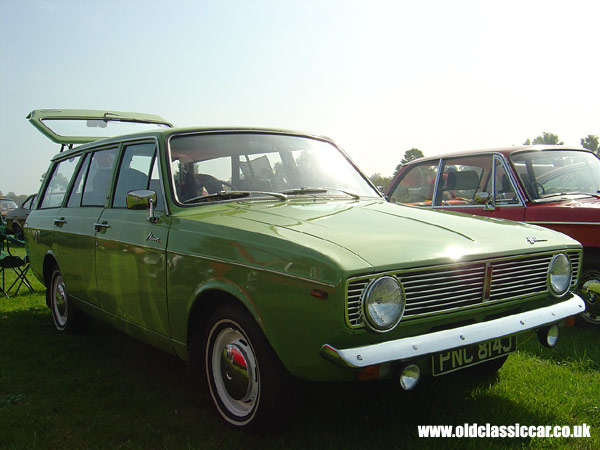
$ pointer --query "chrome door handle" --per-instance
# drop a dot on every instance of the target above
(99, 226)
(59, 221)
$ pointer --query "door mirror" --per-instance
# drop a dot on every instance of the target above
(143, 199)
(485, 198)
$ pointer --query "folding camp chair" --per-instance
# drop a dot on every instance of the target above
(8, 261)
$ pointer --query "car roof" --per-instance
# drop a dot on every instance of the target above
(503, 150)
(166, 133)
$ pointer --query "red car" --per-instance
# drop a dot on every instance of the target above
(552, 186)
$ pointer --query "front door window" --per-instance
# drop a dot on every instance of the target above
(134, 171)
(99, 178)
(417, 186)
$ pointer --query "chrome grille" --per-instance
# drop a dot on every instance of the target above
(575, 258)
(519, 277)
(442, 289)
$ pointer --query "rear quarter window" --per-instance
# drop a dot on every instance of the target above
(59, 182)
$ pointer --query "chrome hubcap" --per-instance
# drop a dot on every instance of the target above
(590, 293)
(60, 301)
(235, 372)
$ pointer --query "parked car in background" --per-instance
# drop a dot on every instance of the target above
(6, 205)
(553, 186)
(15, 219)
(261, 255)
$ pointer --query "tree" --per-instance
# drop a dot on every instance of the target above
(410, 155)
(546, 139)
(591, 143)
(380, 181)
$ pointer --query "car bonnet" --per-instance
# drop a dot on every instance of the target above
(384, 234)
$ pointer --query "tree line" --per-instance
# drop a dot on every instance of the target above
(18, 199)
(590, 142)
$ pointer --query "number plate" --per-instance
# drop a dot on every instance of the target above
(470, 355)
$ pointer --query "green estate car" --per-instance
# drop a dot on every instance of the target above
(264, 255)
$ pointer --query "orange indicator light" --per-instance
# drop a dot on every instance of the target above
(319, 294)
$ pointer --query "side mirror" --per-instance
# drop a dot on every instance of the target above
(485, 198)
(141, 200)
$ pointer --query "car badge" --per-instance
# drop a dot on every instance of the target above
(151, 237)
(532, 240)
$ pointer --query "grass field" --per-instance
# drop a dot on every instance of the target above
(103, 390)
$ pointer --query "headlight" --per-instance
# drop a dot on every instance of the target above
(383, 303)
(559, 274)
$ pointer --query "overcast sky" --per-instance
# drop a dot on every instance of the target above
(378, 77)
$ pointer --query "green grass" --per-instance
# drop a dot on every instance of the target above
(103, 390)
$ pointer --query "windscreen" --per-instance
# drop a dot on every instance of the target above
(205, 164)
(551, 173)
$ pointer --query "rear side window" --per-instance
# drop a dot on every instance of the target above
(97, 184)
(77, 189)
(59, 182)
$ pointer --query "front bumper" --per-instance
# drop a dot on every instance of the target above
(439, 341)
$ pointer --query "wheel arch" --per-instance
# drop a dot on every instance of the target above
(591, 257)
(48, 264)
(212, 296)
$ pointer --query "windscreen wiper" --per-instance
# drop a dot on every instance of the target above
(311, 190)
(560, 194)
(230, 195)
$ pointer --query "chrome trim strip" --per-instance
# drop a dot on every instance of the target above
(248, 266)
(159, 247)
(438, 176)
(478, 206)
(426, 344)
(563, 223)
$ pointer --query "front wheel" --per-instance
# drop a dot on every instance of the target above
(591, 315)
(247, 382)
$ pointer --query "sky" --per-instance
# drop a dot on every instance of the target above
(379, 77)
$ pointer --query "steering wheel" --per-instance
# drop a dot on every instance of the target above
(539, 189)
(212, 184)
(227, 183)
